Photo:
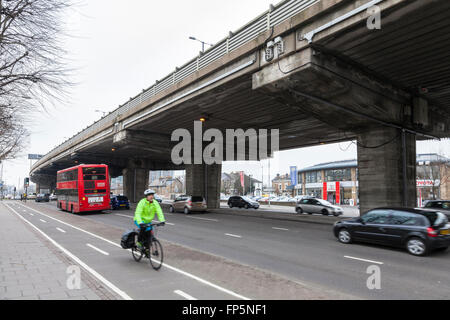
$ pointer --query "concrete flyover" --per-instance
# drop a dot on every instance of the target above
(327, 78)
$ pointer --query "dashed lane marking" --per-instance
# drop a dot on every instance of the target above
(184, 295)
(97, 249)
(282, 229)
(233, 235)
(365, 260)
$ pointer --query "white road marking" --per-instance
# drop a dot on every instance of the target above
(170, 224)
(124, 215)
(97, 249)
(233, 235)
(282, 229)
(189, 275)
(59, 229)
(185, 295)
(365, 260)
(32, 214)
(76, 259)
(43, 221)
(206, 219)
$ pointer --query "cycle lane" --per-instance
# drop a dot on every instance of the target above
(138, 280)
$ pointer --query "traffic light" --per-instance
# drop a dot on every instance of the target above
(26, 182)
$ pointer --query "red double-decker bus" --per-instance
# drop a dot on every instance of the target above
(83, 188)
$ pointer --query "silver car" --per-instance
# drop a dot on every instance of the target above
(313, 205)
(188, 204)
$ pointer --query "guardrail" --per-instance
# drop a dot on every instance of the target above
(274, 16)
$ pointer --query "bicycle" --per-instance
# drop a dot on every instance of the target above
(152, 248)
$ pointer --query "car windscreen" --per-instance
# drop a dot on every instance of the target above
(121, 198)
(247, 199)
(197, 199)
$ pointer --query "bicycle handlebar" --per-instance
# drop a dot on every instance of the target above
(154, 224)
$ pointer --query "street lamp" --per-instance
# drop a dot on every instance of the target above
(202, 42)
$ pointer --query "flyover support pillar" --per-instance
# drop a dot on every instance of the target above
(386, 168)
(135, 182)
(205, 180)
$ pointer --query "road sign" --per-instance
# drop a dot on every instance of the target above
(35, 157)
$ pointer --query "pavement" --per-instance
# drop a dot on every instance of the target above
(31, 268)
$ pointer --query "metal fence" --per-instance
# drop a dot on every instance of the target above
(274, 16)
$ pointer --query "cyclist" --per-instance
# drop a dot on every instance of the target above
(145, 213)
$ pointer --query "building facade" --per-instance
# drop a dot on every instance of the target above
(433, 178)
(281, 185)
(337, 181)
(168, 188)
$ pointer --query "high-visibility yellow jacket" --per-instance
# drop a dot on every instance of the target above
(145, 212)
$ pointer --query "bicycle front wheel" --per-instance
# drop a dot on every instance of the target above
(136, 253)
(156, 254)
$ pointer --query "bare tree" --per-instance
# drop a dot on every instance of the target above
(32, 65)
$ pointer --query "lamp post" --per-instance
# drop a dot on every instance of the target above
(202, 42)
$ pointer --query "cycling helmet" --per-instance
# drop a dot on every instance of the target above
(149, 192)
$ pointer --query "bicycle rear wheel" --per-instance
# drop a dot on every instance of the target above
(156, 254)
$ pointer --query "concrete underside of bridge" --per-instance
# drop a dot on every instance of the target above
(348, 84)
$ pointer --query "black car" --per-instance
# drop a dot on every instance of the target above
(419, 231)
(440, 205)
(242, 202)
(42, 198)
(119, 202)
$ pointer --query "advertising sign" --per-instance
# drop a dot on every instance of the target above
(293, 176)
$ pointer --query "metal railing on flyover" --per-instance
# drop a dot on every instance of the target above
(274, 16)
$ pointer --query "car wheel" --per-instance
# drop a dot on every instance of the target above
(325, 212)
(186, 210)
(336, 214)
(299, 210)
(171, 209)
(246, 206)
(230, 205)
(344, 236)
(416, 247)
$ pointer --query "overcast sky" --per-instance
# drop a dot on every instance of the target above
(117, 48)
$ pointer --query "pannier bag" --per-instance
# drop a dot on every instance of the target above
(128, 239)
